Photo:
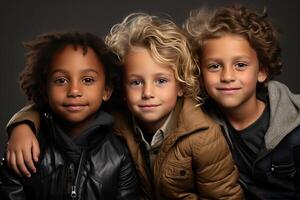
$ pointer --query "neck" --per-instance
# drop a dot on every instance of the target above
(242, 117)
(75, 129)
(150, 128)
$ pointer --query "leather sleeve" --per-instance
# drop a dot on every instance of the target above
(297, 176)
(216, 174)
(28, 115)
(11, 187)
(128, 181)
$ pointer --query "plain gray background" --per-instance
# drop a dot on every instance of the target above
(23, 20)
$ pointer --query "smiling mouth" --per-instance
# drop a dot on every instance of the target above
(75, 107)
(228, 90)
(148, 107)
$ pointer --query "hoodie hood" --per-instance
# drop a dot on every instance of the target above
(89, 137)
(284, 113)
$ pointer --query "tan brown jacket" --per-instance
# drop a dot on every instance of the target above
(194, 161)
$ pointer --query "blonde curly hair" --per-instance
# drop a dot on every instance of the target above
(166, 43)
(235, 19)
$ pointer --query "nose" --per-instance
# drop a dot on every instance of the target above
(148, 91)
(74, 90)
(227, 74)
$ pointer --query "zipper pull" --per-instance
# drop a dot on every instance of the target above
(73, 192)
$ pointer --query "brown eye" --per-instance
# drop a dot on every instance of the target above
(135, 83)
(61, 81)
(214, 67)
(88, 80)
(241, 66)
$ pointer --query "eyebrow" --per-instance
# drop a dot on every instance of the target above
(65, 71)
(158, 74)
(220, 59)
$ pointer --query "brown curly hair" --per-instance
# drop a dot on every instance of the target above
(235, 19)
(33, 79)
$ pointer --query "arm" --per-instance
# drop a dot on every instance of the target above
(10, 185)
(23, 147)
(28, 115)
(128, 180)
(216, 174)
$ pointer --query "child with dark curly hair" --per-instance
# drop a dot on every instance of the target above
(239, 54)
(68, 77)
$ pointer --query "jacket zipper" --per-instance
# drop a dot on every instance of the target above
(71, 175)
(71, 169)
(75, 183)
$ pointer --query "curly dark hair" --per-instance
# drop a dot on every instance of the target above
(255, 27)
(33, 79)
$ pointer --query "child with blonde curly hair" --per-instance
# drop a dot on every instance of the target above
(239, 54)
(179, 152)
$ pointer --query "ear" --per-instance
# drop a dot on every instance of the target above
(180, 91)
(107, 93)
(262, 75)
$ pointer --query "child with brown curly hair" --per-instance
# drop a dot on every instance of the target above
(239, 54)
(179, 151)
(68, 77)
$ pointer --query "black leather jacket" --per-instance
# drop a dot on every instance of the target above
(95, 166)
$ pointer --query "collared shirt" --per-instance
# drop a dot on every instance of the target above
(157, 139)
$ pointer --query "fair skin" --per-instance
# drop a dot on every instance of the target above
(230, 73)
(75, 91)
(151, 89)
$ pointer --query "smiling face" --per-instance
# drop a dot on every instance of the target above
(76, 85)
(151, 88)
(230, 72)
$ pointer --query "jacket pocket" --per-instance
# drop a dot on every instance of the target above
(283, 169)
(179, 172)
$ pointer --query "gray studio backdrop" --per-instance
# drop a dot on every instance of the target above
(23, 20)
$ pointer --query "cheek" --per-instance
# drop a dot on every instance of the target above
(54, 97)
(208, 81)
(131, 96)
(55, 94)
(169, 97)
(250, 80)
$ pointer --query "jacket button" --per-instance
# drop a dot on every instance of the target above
(182, 172)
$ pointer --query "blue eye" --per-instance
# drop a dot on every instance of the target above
(161, 81)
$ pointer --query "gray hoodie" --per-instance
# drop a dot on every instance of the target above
(284, 114)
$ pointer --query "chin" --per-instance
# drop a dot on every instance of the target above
(228, 105)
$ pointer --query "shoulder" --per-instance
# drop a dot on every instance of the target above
(293, 138)
(116, 144)
(193, 115)
(201, 129)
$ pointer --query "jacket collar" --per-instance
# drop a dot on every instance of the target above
(187, 119)
(89, 138)
(159, 135)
